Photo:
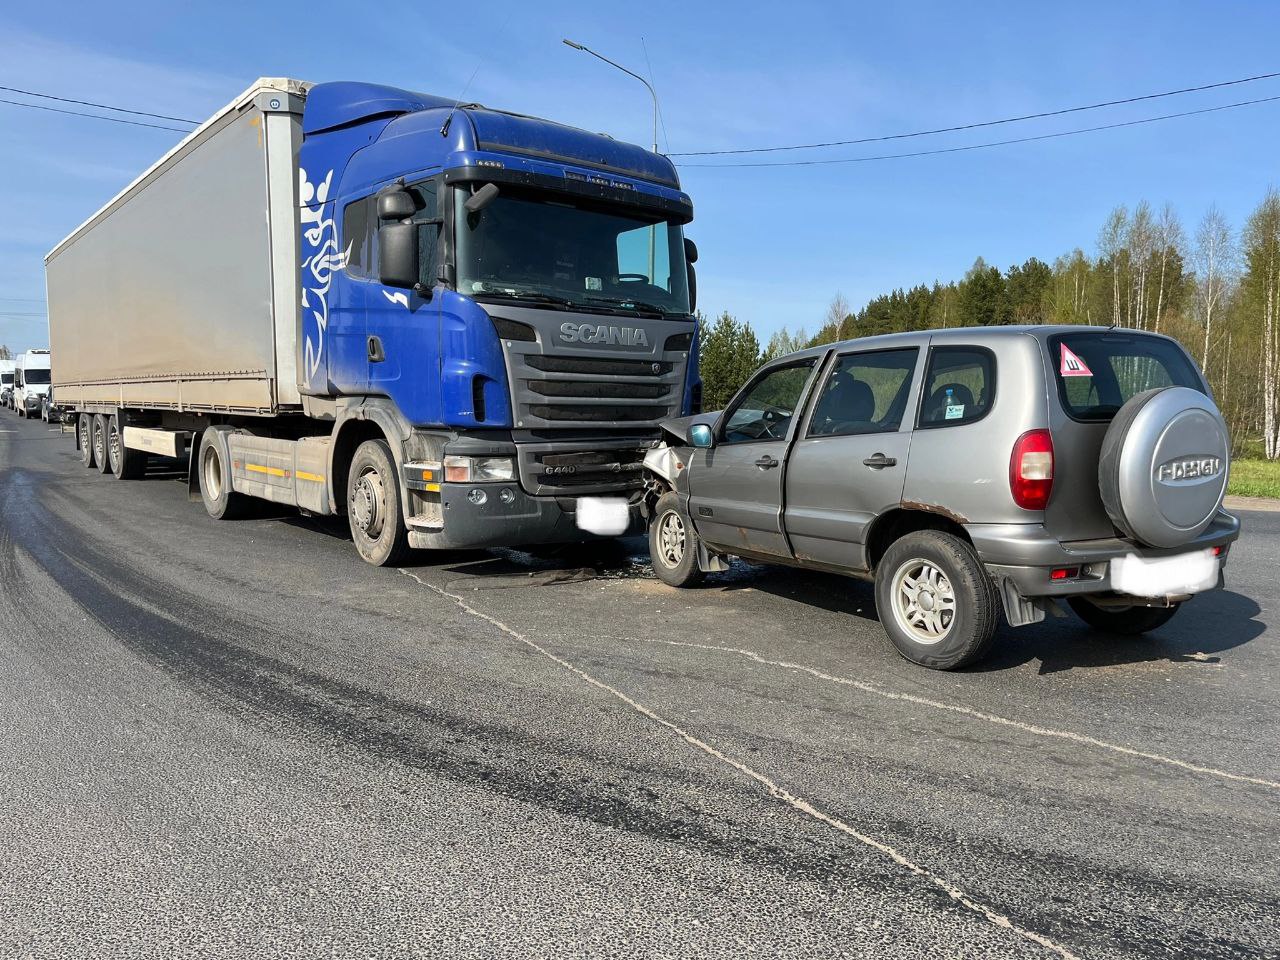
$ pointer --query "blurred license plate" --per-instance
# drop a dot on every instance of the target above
(1161, 576)
(603, 516)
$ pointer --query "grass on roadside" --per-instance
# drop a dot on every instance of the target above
(1254, 478)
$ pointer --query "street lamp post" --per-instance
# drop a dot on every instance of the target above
(653, 230)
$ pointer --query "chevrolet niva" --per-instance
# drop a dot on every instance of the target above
(962, 471)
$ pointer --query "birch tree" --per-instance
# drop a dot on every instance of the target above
(1170, 238)
(1214, 260)
(1110, 251)
(1262, 285)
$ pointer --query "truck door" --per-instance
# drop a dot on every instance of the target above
(402, 335)
(735, 494)
(850, 463)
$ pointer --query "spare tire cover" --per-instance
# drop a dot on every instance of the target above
(1162, 472)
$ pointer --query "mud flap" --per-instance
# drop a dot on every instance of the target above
(709, 562)
(1022, 611)
(193, 462)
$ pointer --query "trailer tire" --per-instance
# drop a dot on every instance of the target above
(213, 470)
(100, 458)
(375, 511)
(84, 437)
(126, 464)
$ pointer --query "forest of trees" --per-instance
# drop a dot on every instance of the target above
(1215, 288)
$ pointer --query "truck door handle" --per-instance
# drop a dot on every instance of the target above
(766, 462)
(880, 461)
(375, 350)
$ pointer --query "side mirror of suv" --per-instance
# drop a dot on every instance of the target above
(699, 435)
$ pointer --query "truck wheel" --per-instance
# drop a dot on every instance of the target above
(100, 458)
(1124, 620)
(84, 436)
(935, 600)
(214, 473)
(673, 543)
(374, 510)
(126, 464)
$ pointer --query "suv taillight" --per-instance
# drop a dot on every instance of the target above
(1031, 470)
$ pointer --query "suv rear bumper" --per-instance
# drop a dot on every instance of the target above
(1025, 555)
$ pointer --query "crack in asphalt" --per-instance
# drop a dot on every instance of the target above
(771, 787)
(994, 718)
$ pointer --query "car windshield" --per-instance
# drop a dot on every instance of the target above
(1099, 372)
(36, 376)
(525, 246)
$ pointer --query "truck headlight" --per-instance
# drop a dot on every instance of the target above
(479, 469)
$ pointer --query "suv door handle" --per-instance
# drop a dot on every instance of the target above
(766, 462)
(880, 461)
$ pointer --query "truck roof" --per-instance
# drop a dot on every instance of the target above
(331, 106)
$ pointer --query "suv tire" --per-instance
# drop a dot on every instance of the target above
(935, 600)
(673, 543)
(1129, 621)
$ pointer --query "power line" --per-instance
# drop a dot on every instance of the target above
(100, 106)
(984, 123)
(94, 116)
(22, 300)
(980, 146)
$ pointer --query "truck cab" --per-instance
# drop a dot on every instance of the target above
(31, 379)
(513, 296)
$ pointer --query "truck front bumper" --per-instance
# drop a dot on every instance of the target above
(477, 515)
(1026, 556)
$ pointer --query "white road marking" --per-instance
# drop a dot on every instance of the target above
(1031, 728)
(774, 790)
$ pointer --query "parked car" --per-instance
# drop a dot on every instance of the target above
(963, 471)
(50, 412)
(6, 382)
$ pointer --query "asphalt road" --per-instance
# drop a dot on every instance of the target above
(235, 739)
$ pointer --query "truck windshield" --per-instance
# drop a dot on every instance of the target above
(35, 376)
(526, 246)
(6, 379)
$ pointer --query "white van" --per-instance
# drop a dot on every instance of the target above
(31, 381)
(6, 382)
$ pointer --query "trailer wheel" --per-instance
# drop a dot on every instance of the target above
(126, 464)
(100, 458)
(214, 473)
(374, 510)
(84, 437)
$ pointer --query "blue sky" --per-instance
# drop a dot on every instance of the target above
(776, 244)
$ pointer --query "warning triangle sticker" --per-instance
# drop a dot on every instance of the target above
(1073, 366)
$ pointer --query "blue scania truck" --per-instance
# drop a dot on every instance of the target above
(455, 325)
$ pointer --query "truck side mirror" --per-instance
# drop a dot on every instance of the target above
(395, 205)
(690, 250)
(398, 254)
(699, 435)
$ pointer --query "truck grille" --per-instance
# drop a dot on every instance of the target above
(554, 389)
(582, 468)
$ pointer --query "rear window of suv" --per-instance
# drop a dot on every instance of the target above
(1098, 372)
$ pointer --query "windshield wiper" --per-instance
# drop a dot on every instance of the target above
(625, 302)
(531, 295)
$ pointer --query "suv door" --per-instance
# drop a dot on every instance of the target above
(850, 464)
(735, 492)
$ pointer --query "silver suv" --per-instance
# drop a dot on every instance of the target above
(962, 471)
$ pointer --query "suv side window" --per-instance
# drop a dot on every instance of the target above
(865, 393)
(767, 406)
(959, 386)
